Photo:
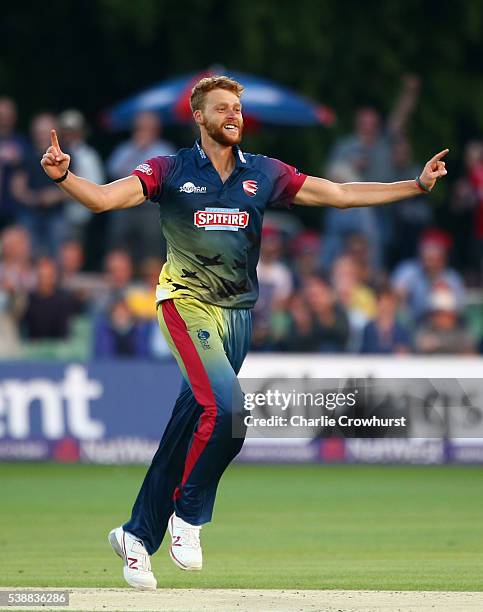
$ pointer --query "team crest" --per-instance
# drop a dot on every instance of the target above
(250, 188)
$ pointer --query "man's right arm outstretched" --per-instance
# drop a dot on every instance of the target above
(124, 193)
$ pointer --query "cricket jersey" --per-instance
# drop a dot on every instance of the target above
(213, 228)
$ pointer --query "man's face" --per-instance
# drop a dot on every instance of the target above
(221, 117)
(147, 129)
(433, 258)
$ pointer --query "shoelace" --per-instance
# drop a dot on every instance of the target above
(190, 536)
(142, 554)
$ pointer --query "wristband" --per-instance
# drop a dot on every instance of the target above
(421, 185)
(62, 178)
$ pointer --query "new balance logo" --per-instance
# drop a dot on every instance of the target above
(132, 563)
(176, 539)
(191, 188)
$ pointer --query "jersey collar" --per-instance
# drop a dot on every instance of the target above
(203, 159)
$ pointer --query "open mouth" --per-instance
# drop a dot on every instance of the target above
(230, 127)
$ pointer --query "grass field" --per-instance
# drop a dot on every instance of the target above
(290, 527)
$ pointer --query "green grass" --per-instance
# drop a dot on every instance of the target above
(361, 527)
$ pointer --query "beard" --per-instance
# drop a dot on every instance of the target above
(221, 136)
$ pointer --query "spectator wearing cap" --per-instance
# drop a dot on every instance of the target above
(385, 334)
(443, 330)
(414, 280)
(13, 148)
(85, 162)
(138, 229)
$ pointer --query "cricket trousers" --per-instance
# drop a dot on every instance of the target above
(206, 429)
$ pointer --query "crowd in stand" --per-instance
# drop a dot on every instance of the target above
(379, 280)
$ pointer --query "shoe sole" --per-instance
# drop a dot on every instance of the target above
(117, 548)
(180, 565)
(173, 558)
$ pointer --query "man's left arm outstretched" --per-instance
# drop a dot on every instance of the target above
(321, 192)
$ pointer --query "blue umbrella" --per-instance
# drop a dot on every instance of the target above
(263, 101)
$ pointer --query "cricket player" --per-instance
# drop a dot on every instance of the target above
(211, 200)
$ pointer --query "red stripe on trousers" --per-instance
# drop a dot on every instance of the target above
(200, 385)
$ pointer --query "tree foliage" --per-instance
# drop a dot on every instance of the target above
(91, 53)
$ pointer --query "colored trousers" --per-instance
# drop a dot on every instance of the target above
(206, 430)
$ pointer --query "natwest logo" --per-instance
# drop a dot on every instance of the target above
(231, 219)
(191, 188)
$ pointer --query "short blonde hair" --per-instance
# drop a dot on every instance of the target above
(208, 84)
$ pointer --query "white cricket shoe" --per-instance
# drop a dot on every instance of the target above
(137, 565)
(185, 550)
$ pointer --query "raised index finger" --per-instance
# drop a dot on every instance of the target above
(440, 155)
(54, 139)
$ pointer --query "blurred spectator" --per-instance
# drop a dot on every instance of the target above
(49, 309)
(118, 276)
(17, 275)
(467, 212)
(138, 229)
(43, 202)
(144, 143)
(305, 251)
(368, 150)
(118, 334)
(17, 278)
(85, 162)
(272, 273)
(358, 247)
(410, 217)
(357, 298)
(340, 224)
(275, 286)
(385, 334)
(414, 280)
(443, 330)
(12, 152)
(86, 286)
(141, 299)
(142, 296)
(317, 321)
(71, 260)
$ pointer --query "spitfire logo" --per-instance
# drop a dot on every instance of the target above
(250, 188)
(231, 219)
(145, 168)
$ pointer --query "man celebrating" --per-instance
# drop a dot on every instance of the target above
(212, 199)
